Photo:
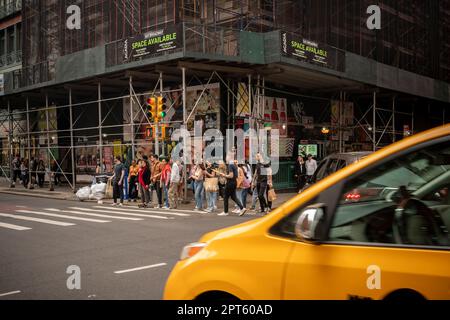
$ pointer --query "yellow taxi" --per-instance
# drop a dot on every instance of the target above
(377, 229)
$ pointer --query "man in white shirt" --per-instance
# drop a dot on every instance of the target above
(174, 182)
(311, 167)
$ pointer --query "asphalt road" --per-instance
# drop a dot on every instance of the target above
(109, 248)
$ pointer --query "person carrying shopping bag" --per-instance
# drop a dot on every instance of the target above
(211, 187)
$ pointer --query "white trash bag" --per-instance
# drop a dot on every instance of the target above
(98, 191)
(83, 193)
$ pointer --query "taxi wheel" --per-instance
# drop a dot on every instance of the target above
(406, 295)
(216, 296)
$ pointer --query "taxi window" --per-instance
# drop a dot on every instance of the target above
(396, 202)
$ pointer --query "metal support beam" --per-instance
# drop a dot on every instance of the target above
(100, 134)
(30, 182)
(374, 123)
(72, 147)
(49, 152)
(183, 75)
(133, 151)
(161, 89)
(10, 149)
(393, 120)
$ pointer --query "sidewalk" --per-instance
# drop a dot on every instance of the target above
(64, 192)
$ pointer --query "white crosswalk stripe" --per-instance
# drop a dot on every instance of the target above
(20, 217)
(122, 213)
(13, 226)
(62, 216)
(144, 210)
(93, 214)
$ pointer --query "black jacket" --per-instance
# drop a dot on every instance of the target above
(146, 176)
(300, 170)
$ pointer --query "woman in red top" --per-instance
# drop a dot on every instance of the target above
(165, 181)
(144, 183)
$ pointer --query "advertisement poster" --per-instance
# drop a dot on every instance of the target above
(305, 50)
(346, 116)
(304, 150)
(206, 104)
(275, 112)
(152, 43)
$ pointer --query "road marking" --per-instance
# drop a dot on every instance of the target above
(57, 223)
(143, 210)
(92, 214)
(141, 268)
(9, 293)
(13, 226)
(176, 210)
(124, 213)
(62, 216)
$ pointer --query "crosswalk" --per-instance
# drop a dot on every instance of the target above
(25, 218)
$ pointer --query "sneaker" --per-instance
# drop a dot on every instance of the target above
(166, 208)
(236, 210)
(242, 212)
(196, 209)
(120, 204)
(223, 214)
(114, 204)
(215, 208)
(157, 207)
(208, 210)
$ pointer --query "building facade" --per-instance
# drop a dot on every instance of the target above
(311, 69)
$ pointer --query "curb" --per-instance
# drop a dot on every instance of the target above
(37, 195)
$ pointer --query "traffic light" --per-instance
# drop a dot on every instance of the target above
(161, 112)
(151, 109)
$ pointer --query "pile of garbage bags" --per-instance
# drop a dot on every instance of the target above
(96, 191)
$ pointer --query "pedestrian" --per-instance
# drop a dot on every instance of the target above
(239, 185)
(118, 179)
(41, 173)
(55, 169)
(175, 179)
(156, 178)
(268, 169)
(260, 180)
(149, 166)
(144, 183)
(230, 188)
(165, 181)
(198, 178)
(246, 183)
(222, 180)
(300, 173)
(211, 187)
(311, 167)
(24, 172)
(33, 169)
(132, 181)
(15, 170)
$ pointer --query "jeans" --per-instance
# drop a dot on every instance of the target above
(145, 195)
(166, 194)
(132, 192)
(125, 185)
(211, 199)
(230, 192)
(244, 197)
(262, 188)
(254, 197)
(158, 190)
(198, 187)
(117, 192)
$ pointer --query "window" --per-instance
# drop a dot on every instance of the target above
(321, 170)
(403, 201)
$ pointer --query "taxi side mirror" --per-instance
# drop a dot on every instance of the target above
(308, 223)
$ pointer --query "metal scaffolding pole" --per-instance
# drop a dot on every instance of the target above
(72, 147)
(374, 127)
(161, 89)
(183, 75)
(393, 120)
(30, 182)
(133, 151)
(49, 152)
(100, 134)
(10, 149)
